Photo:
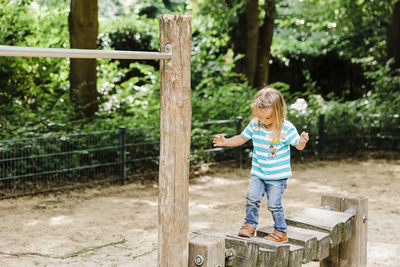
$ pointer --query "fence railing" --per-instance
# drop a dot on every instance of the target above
(57, 162)
(372, 132)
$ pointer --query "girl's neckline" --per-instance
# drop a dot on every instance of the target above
(263, 126)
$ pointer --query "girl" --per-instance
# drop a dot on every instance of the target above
(271, 134)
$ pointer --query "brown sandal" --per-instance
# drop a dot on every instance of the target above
(277, 236)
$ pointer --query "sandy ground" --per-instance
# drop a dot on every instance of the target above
(117, 226)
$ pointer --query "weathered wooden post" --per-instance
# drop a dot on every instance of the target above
(175, 130)
(352, 252)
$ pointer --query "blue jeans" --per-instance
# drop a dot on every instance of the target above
(274, 190)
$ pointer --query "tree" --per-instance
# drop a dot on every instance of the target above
(254, 40)
(266, 33)
(393, 36)
(83, 29)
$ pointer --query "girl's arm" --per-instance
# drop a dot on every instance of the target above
(303, 141)
(236, 140)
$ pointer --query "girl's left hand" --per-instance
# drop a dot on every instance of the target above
(304, 137)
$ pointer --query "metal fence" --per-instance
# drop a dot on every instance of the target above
(50, 163)
(59, 162)
(366, 133)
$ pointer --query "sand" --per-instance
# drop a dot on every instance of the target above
(117, 226)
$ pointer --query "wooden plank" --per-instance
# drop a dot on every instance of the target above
(207, 249)
(322, 220)
(246, 251)
(308, 242)
(266, 257)
(175, 125)
(295, 255)
(322, 240)
(282, 251)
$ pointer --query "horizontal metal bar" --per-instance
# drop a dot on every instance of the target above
(19, 51)
(143, 159)
(51, 136)
(83, 151)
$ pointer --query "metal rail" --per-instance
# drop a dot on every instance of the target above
(19, 51)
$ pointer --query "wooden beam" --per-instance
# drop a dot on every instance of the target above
(248, 249)
(308, 242)
(337, 224)
(353, 251)
(175, 129)
(322, 240)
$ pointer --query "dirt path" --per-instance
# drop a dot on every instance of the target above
(117, 226)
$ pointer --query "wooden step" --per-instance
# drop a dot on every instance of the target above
(266, 257)
(338, 225)
(295, 255)
(259, 252)
(308, 242)
(322, 240)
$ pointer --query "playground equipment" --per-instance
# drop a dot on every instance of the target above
(335, 235)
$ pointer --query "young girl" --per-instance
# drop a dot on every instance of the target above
(271, 134)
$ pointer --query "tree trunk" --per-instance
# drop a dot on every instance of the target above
(252, 34)
(238, 38)
(83, 29)
(393, 36)
(264, 45)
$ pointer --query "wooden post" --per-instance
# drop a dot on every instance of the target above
(175, 129)
(352, 252)
(206, 250)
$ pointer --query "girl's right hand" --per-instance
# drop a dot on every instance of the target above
(219, 140)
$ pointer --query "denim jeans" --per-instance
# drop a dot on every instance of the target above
(274, 190)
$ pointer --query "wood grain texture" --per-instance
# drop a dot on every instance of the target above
(210, 247)
(353, 249)
(332, 222)
(175, 130)
(308, 242)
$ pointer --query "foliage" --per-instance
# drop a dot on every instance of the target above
(355, 28)
(34, 91)
(345, 34)
(386, 82)
(33, 94)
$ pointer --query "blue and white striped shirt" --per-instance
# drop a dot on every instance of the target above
(271, 158)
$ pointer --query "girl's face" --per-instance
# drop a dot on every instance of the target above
(265, 116)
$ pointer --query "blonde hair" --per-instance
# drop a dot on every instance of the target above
(271, 98)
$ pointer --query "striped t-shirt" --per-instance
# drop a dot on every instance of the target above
(271, 158)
